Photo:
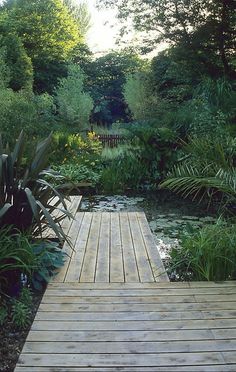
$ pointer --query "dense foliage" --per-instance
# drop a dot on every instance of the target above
(208, 254)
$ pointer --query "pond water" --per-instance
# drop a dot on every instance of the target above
(166, 214)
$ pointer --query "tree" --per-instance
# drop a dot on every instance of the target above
(106, 77)
(48, 33)
(18, 62)
(206, 28)
(74, 105)
(141, 103)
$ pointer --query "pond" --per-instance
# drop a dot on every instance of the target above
(167, 215)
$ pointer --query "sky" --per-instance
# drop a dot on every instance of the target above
(102, 34)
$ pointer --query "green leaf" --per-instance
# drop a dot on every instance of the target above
(4, 209)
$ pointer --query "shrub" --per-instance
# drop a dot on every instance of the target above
(16, 257)
(21, 314)
(69, 148)
(76, 159)
(24, 110)
(122, 170)
(157, 148)
(75, 175)
(19, 256)
(74, 105)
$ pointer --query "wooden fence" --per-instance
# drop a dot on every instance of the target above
(111, 140)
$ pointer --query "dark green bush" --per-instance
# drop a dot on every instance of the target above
(20, 256)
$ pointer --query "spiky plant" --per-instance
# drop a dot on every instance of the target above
(27, 200)
(207, 170)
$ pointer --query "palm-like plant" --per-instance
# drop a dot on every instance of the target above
(27, 200)
(208, 169)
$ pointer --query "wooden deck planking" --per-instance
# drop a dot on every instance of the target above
(143, 261)
(75, 264)
(112, 308)
(111, 247)
(82, 327)
(88, 270)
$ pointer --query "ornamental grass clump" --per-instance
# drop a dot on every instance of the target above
(208, 254)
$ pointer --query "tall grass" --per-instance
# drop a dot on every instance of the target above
(206, 254)
(112, 154)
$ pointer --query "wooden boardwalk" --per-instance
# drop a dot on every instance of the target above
(109, 311)
(112, 247)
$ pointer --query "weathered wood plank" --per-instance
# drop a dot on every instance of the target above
(74, 269)
(229, 356)
(111, 336)
(99, 360)
(129, 258)
(103, 257)
(135, 315)
(116, 316)
(93, 307)
(133, 325)
(73, 233)
(201, 368)
(116, 258)
(73, 299)
(143, 264)
(224, 334)
(128, 347)
(119, 285)
(138, 285)
(153, 254)
(90, 256)
(162, 292)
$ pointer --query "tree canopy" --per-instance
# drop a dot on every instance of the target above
(106, 77)
(48, 32)
(205, 28)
